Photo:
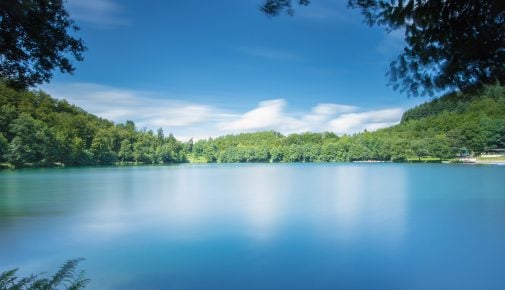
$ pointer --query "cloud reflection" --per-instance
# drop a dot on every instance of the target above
(258, 201)
(365, 204)
(264, 203)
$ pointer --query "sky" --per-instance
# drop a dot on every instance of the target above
(202, 69)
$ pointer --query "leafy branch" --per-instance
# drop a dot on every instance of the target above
(66, 278)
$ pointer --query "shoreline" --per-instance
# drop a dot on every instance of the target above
(485, 162)
(9, 167)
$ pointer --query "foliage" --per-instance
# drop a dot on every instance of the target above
(451, 45)
(36, 38)
(440, 129)
(454, 102)
(65, 278)
(275, 7)
(37, 130)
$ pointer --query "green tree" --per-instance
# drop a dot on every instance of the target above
(160, 136)
(36, 38)
(440, 147)
(3, 147)
(421, 147)
(329, 152)
(400, 149)
(166, 154)
(31, 143)
(79, 154)
(188, 146)
(126, 151)
(8, 114)
(103, 147)
(276, 154)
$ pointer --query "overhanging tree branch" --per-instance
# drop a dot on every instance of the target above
(36, 38)
(451, 44)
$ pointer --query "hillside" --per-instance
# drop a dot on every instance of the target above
(37, 130)
(475, 122)
(442, 129)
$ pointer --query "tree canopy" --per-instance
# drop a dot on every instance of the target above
(36, 38)
(275, 7)
(441, 129)
(37, 130)
(451, 44)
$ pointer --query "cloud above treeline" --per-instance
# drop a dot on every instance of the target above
(199, 121)
(100, 13)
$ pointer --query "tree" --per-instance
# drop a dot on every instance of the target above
(440, 147)
(7, 115)
(125, 151)
(451, 44)
(3, 146)
(36, 38)
(30, 141)
(420, 147)
(103, 147)
(275, 7)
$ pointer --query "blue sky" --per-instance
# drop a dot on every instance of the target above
(208, 68)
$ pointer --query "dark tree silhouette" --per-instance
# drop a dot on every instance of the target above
(275, 7)
(36, 38)
(451, 44)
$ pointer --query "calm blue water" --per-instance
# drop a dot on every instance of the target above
(260, 226)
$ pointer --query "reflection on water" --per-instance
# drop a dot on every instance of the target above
(364, 200)
(269, 226)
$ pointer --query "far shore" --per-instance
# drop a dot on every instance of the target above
(471, 161)
(498, 160)
(491, 162)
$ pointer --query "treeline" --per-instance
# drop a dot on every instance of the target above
(37, 130)
(453, 125)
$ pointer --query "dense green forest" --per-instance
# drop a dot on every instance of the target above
(37, 130)
(443, 128)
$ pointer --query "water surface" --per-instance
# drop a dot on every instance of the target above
(260, 226)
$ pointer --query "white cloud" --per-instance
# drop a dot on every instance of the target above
(321, 113)
(329, 109)
(200, 121)
(103, 13)
(268, 115)
(369, 120)
(342, 119)
(146, 109)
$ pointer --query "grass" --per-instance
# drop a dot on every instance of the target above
(500, 159)
(193, 159)
(425, 160)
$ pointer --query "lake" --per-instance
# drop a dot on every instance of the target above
(260, 226)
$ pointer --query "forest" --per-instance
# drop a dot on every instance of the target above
(38, 130)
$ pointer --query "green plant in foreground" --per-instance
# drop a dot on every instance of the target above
(65, 278)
